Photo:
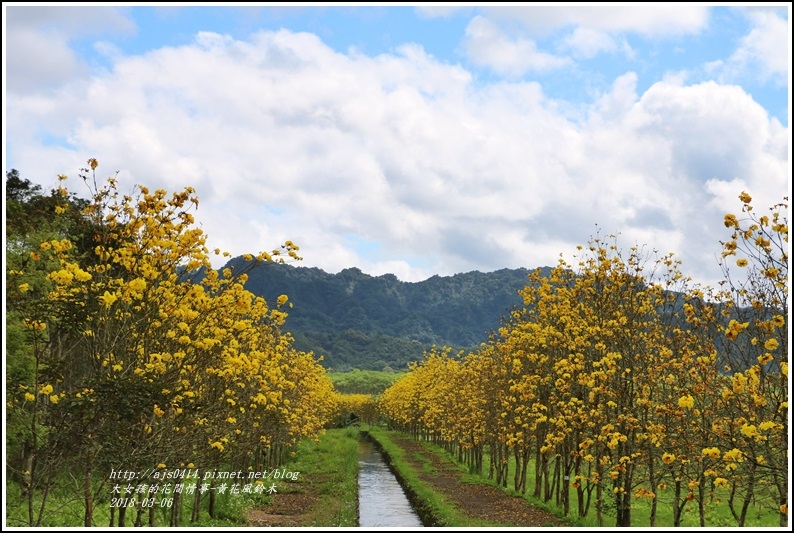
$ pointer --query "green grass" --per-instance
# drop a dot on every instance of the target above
(332, 465)
(718, 513)
(65, 508)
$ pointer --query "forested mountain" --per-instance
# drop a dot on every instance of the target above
(355, 320)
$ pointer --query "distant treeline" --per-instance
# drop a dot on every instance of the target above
(363, 381)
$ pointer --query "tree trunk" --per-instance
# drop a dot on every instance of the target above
(212, 497)
(677, 507)
(556, 489)
(653, 483)
(599, 495)
(176, 509)
(748, 496)
(538, 473)
(782, 490)
(123, 515)
(88, 496)
(139, 514)
(701, 500)
(491, 466)
(623, 501)
(517, 453)
(194, 516)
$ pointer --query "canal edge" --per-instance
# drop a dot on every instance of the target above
(423, 510)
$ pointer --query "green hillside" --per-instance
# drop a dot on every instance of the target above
(355, 320)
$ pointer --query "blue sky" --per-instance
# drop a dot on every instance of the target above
(416, 140)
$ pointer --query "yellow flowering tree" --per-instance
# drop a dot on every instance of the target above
(400, 403)
(754, 430)
(356, 408)
(148, 358)
(32, 229)
(536, 343)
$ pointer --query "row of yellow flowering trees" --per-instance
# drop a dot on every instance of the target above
(142, 358)
(621, 380)
(356, 409)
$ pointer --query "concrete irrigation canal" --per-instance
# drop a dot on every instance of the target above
(382, 501)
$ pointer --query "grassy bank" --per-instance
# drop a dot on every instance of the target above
(330, 467)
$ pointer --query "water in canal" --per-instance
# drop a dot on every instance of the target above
(381, 500)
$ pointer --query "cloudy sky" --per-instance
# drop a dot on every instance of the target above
(415, 140)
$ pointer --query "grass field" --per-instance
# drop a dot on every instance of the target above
(330, 466)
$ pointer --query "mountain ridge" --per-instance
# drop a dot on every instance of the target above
(356, 320)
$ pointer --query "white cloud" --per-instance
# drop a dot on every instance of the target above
(614, 105)
(767, 46)
(652, 20)
(487, 45)
(429, 11)
(695, 148)
(283, 138)
(587, 43)
(38, 42)
(39, 60)
(71, 21)
(762, 56)
(503, 38)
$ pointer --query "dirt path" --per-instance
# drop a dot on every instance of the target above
(292, 506)
(482, 502)
(288, 509)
